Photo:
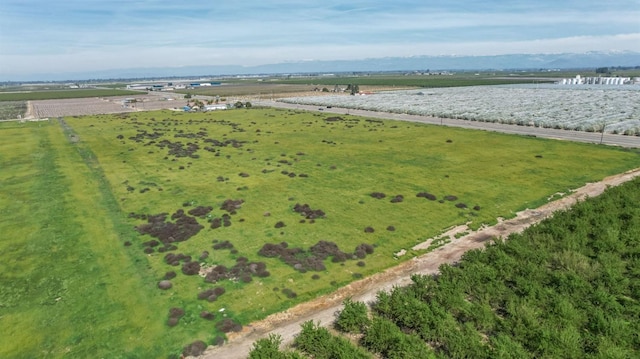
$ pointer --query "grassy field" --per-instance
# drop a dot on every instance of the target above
(63, 94)
(70, 253)
(67, 284)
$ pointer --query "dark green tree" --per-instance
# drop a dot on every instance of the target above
(353, 317)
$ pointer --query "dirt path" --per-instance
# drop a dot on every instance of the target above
(323, 309)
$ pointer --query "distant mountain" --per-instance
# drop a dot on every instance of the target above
(415, 63)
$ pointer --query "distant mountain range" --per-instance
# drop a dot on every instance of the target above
(415, 63)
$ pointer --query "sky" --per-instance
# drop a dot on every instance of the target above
(66, 36)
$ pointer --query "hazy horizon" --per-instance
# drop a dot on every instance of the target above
(43, 37)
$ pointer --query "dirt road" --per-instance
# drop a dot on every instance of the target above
(323, 309)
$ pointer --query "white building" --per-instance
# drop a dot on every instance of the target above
(578, 80)
(214, 107)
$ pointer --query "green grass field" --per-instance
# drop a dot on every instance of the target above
(72, 288)
(63, 94)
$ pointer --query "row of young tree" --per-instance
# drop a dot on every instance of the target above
(568, 287)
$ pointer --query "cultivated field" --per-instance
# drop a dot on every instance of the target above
(149, 230)
(10, 110)
(552, 106)
(63, 94)
(103, 105)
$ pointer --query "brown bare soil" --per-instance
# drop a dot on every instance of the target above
(323, 309)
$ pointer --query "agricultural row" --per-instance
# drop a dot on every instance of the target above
(566, 288)
(63, 94)
(10, 110)
(582, 109)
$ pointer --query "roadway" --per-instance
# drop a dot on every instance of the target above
(568, 135)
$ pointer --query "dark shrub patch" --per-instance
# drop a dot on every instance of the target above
(308, 212)
(216, 223)
(461, 205)
(360, 264)
(184, 227)
(223, 245)
(450, 197)
(367, 248)
(228, 325)
(357, 275)
(207, 315)
(176, 312)
(476, 208)
(218, 340)
(391, 228)
(191, 268)
(200, 211)
(194, 349)
(339, 257)
(368, 230)
(311, 260)
(334, 119)
(397, 199)
(151, 243)
(315, 276)
(378, 195)
(148, 250)
(231, 205)
(426, 195)
(263, 274)
(289, 293)
(218, 291)
(279, 224)
(169, 275)
(172, 322)
(205, 294)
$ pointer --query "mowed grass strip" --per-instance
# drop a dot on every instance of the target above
(345, 160)
(68, 289)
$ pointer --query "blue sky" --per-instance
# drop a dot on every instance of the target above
(48, 36)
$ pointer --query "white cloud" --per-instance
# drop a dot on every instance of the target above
(74, 35)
